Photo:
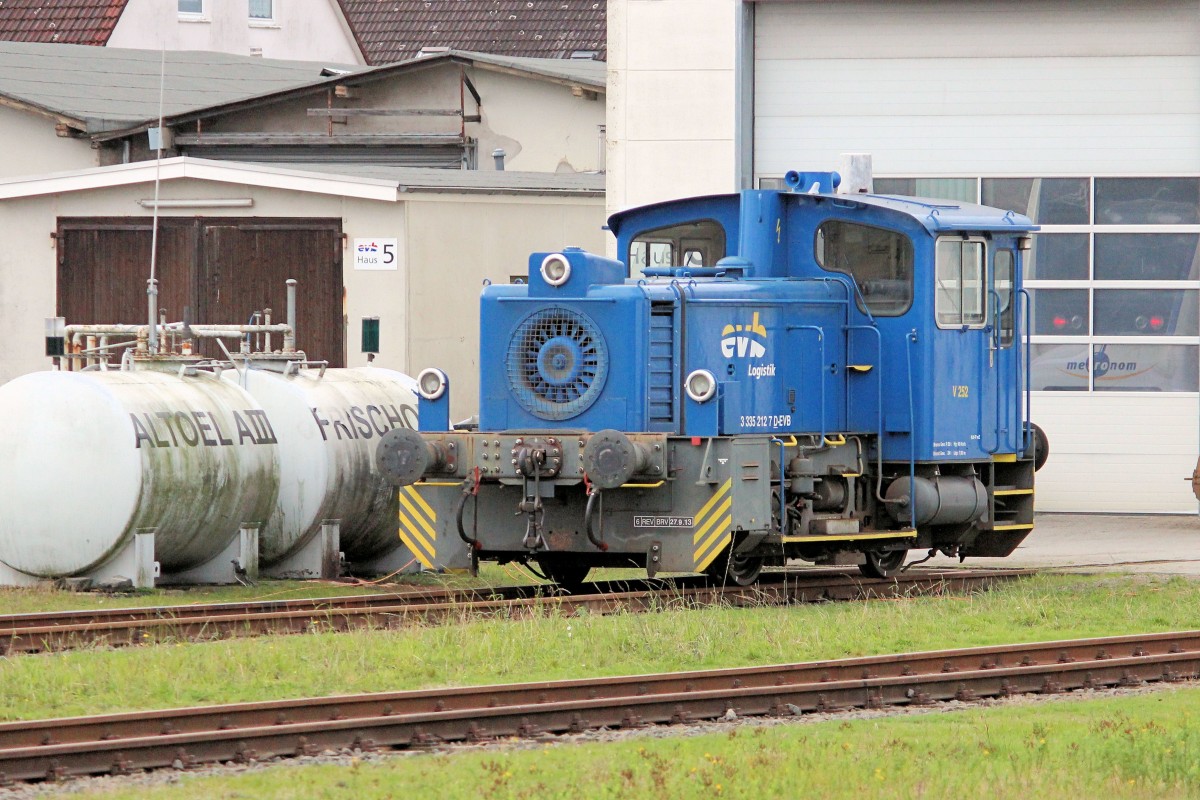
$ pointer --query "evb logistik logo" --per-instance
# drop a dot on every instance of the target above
(747, 342)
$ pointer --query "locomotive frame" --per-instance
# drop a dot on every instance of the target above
(805, 374)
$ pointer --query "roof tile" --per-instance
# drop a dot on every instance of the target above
(395, 30)
(88, 22)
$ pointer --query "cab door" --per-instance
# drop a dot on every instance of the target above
(963, 378)
(1004, 355)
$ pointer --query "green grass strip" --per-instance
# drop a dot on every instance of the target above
(554, 646)
(1132, 747)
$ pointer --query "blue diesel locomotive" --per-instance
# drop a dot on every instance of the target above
(803, 374)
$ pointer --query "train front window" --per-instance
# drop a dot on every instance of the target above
(692, 244)
(961, 287)
(879, 260)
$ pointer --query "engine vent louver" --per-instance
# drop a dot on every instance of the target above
(557, 363)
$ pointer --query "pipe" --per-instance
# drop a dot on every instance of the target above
(152, 300)
(289, 337)
(588, 516)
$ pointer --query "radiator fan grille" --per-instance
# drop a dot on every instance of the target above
(557, 363)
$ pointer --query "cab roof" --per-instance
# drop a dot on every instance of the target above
(935, 215)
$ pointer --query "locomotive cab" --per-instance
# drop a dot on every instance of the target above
(838, 378)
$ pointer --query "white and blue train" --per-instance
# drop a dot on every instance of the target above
(769, 375)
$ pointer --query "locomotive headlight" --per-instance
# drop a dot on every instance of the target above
(700, 385)
(431, 383)
(556, 269)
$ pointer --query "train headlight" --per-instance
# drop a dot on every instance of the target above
(431, 383)
(556, 269)
(700, 385)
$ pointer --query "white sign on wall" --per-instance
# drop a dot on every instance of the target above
(375, 254)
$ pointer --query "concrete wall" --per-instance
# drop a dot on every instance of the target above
(31, 146)
(308, 30)
(428, 308)
(456, 242)
(671, 110)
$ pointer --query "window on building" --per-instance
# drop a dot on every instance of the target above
(1147, 256)
(1047, 201)
(1061, 312)
(960, 283)
(262, 10)
(1059, 257)
(879, 260)
(191, 7)
(1129, 295)
(963, 190)
(1148, 201)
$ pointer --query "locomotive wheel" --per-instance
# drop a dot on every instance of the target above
(567, 574)
(882, 564)
(731, 568)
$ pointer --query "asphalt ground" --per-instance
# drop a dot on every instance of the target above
(1167, 544)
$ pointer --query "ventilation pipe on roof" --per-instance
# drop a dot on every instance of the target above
(855, 169)
(499, 155)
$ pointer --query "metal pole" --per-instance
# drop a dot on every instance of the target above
(289, 339)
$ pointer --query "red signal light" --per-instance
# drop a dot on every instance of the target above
(1060, 322)
(1156, 323)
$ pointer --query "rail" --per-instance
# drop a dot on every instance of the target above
(181, 738)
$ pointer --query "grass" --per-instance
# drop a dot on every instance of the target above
(1132, 747)
(552, 646)
(49, 598)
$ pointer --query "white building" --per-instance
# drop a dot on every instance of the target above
(1084, 115)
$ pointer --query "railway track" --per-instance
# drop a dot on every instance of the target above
(30, 633)
(180, 738)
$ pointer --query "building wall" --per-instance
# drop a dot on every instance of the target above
(671, 111)
(428, 307)
(541, 126)
(303, 30)
(457, 242)
(974, 86)
(31, 146)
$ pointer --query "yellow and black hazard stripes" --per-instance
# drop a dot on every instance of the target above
(417, 522)
(711, 528)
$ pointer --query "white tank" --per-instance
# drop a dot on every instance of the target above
(89, 458)
(328, 423)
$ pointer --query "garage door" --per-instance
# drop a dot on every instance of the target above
(1044, 107)
(221, 269)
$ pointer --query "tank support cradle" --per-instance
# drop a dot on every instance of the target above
(134, 563)
(237, 563)
(319, 557)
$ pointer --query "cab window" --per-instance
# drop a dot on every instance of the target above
(879, 260)
(1002, 270)
(691, 244)
(961, 287)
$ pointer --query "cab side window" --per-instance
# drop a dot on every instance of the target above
(690, 244)
(1002, 270)
(961, 288)
(879, 260)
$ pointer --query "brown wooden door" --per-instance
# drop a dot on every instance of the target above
(221, 269)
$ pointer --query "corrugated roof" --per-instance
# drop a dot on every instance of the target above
(86, 22)
(426, 179)
(108, 88)
(396, 30)
(589, 74)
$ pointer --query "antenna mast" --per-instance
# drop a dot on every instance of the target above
(152, 284)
